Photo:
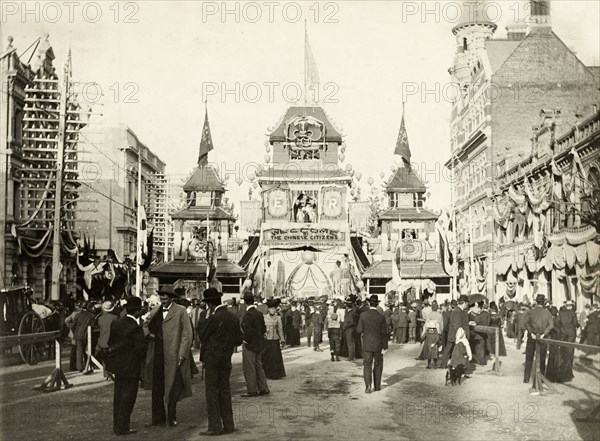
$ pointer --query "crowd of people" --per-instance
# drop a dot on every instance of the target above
(457, 335)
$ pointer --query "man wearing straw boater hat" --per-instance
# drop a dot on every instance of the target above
(168, 371)
(373, 328)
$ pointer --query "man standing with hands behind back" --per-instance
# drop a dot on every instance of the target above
(221, 334)
(373, 328)
(125, 355)
(168, 371)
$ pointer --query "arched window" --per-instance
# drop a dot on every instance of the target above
(16, 274)
(30, 276)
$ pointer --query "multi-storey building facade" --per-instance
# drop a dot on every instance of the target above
(504, 83)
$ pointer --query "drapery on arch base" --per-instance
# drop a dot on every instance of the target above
(314, 273)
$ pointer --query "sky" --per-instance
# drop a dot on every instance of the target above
(156, 62)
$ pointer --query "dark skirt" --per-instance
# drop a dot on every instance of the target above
(292, 336)
(559, 367)
(491, 345)
(429, 350)
(272, 361)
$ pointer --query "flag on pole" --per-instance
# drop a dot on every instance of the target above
(445, 230)
(147, 259)
(142, 236)
(206, 144)
(311, 73)
(402, 147)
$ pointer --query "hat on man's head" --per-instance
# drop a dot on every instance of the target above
(133, 303)
(570, 302)
(211, 294)
(108, 306)
(463, 298)
(166, 290)
(248, 295)
(374, 299)
(453, 303)
(272, 303)
(540, 298)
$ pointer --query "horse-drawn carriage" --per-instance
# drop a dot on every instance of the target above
(18, 318)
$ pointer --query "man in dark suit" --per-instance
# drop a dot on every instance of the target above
(254, 329)
(219, 337)
(373, 328)
(459, 318)
(350, 321)
(125, 354)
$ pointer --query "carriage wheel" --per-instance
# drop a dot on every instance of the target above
(31, 323)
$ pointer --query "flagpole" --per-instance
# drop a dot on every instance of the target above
(305, 67)
(138, 273)
(453, 220)
(208, 254)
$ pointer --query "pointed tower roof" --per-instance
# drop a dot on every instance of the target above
(404, 179)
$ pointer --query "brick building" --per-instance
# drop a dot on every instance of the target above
(504, 84)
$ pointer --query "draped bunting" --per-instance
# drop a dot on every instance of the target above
(359, 213)
(501, 211)
(538, 202)
(250, 215)
(577, 236)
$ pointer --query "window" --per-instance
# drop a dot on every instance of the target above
(18, 126)
(304, 155)
(203, 199)
(16, 200)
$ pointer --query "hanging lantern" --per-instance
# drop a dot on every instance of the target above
(239, 180)
(267, 143)
(268, 148)
(342, 158)
(381, 175)
(254, 185)
(343, 149)
(370, 180)
(349, 168)
(351, 172)
(393, 168)
(308, 257)
(358, 176)
(267, 158)
(251, 175)
(351, 192)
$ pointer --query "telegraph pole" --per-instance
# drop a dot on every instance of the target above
(60, 151)
(138, 273)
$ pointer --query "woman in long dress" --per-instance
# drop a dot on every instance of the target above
(560, 361)
(272, 360)
(431, 337)
(496, 320)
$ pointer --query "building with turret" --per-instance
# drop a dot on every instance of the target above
(504, 83)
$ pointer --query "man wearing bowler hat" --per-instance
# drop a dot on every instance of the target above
(168, 371)
(126, 350)
(221, 334)
(538, 323)
(373, 328)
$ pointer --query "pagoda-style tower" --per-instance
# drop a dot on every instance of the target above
(202, 231)
(409, 230)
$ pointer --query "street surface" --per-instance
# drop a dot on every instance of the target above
(323, 400)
